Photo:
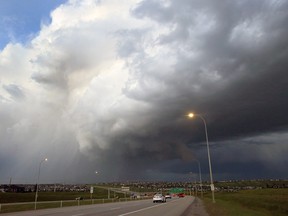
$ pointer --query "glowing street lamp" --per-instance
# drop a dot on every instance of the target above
(36, 195)
(92, 188)
(191, 115)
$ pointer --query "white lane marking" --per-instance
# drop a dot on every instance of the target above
(141, 209)
(77, 215)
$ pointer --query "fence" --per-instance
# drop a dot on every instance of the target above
(13, 207)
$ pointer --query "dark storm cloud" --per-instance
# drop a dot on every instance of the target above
(246, 51)
(125, 83)
(237, 81)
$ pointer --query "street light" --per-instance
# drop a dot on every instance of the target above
(200, 177)
(191, 173)
(36, 195)
(191, 115)
(92, 188)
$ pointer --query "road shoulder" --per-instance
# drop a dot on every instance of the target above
(197, 208)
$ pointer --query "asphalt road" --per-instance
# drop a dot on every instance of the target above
(173, 207)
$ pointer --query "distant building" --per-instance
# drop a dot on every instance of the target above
(123, 188)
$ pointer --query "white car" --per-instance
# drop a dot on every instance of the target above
(158, 198)
(168, 196)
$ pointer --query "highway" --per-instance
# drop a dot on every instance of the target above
(173, 207)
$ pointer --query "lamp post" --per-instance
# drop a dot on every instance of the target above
(92, 188)
(200, 177)
(194, 191)
(191, 115)
(36, 195)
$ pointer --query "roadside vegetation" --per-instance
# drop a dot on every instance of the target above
(259, 202)
(99, 193)
(55, 199)
(233, 198)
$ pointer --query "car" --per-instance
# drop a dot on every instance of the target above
(159, 198)
(168, 196)
(181, 195)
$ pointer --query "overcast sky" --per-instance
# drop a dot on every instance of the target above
(105, 85)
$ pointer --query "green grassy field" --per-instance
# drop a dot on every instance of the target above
(100, 195)
(263, 202)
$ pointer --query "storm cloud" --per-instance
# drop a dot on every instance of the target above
(107, 86)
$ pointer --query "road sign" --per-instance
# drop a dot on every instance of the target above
(176, 190)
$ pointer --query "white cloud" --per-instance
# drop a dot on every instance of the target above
(72, 78)
(104, 76)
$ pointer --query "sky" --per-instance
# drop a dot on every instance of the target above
(102, 88)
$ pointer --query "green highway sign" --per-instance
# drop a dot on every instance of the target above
(176, 190)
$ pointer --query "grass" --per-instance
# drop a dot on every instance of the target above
(265, 202)
(262, 202)
(100, 195)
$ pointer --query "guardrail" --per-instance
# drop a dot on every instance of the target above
(23, 206)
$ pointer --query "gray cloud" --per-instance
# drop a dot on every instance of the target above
(112, 94)
(14, 91)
